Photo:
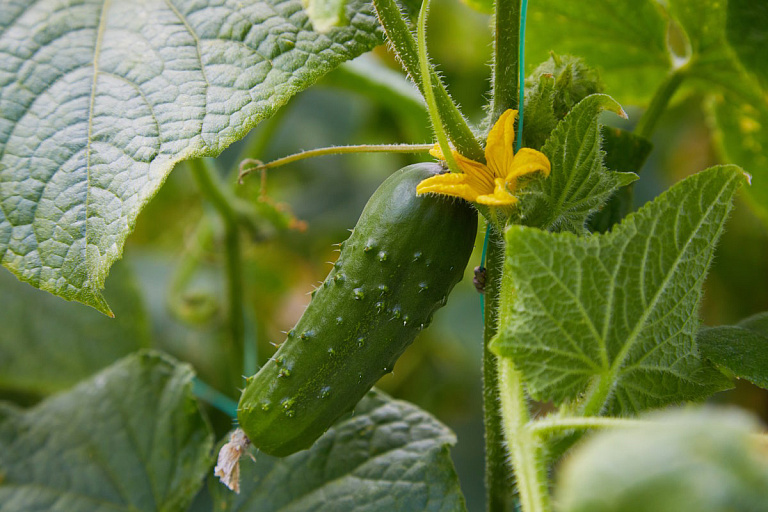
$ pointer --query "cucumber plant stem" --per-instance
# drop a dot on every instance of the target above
(548, 426)
(505, 57)
(499, 477)
(402, 40)
(661, 98)
(498, 474)
(249, 165)
(429, 95)
(525, 448)
(213, 191)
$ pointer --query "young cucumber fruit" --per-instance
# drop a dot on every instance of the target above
(396, 269)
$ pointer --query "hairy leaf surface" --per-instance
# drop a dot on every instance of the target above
(99, 99)
(579, 183)
(388, 456)
(131, 438)
(615, 315)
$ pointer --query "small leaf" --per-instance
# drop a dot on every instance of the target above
(706, 460)
(100, 101)
(616, 314)
(741, 349)
(130, 438)
(579, 183)
(388, 456)
(48, 345)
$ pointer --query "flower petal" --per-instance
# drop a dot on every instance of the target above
(478, 175)
(499, 197)
(528, 161)
(449, 184)
(437, 152)
(500, 147)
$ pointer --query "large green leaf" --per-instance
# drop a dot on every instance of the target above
(615, 315)
(47, 345)
(130, 438)
(740, 349)
(704, 460)
(579, 183)
(99, 99)
(389, 456)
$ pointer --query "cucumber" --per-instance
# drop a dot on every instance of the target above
(404, 256)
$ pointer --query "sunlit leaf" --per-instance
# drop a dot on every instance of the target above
(99, 100)
(615, 315)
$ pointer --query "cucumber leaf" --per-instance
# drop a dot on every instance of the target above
(579, 183)
(100, 100)
(615, 315)
(130, 438)
(389, 455)
(741, 349)
(47, 345)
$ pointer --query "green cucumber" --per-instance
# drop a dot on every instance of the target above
(396, 269)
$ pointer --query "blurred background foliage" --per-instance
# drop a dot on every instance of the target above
(170, 290)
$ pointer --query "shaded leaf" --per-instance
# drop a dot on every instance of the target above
(579, 183)
(741, 350)
(47, 345)
(615, 315)
(388, 456)
(100, 100)
(624, 152)
(130, 438)
(747, 32)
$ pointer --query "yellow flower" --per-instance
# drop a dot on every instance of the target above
(492, 184)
